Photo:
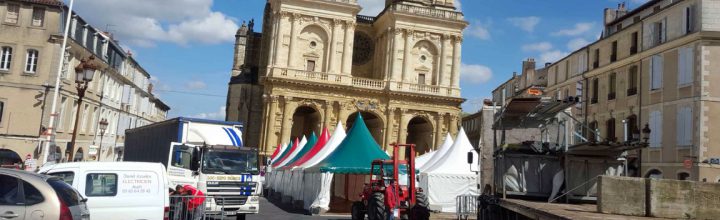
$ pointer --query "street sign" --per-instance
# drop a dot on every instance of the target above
(688, 163)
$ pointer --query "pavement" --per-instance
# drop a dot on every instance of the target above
(271, 210)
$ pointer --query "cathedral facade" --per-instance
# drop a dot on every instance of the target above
(317, 63)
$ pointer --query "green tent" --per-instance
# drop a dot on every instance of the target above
(355, 154)
(309, 145)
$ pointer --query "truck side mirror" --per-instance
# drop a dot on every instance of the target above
(470, 157)
(195, 162)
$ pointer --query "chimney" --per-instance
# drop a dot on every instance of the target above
(621, 11)
(610, 15)
(548, 64)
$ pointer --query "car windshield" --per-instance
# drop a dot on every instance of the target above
(229, 162)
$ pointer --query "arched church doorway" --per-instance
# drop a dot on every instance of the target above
(306, 120)
(420, 132)
(373, 122)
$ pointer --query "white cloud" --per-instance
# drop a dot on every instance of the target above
(219, 115)
(458, 5)
(479, 30)
(146, 22)
(371, 7)
(578, 29)
(475, 74)
(195, 85)
(525, 23)
(577, 43)
(541, 46)
(552, 56)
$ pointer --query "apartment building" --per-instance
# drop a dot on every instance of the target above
(651, 68)
(30, 43)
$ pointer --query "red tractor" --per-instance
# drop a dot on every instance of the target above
(385, 195)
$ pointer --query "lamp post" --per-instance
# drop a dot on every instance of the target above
(646, 133)
(84, 73)
(103, 126)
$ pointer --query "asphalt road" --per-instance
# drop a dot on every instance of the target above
(273, 211)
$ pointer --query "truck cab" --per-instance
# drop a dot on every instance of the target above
(206, 154)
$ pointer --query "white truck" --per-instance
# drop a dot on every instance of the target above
(206, 154)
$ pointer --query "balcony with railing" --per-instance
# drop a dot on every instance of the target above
(429, 12)
(362, 83)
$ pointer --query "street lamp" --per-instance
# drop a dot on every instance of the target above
(103, 126)
(646, 133)
(84, 73)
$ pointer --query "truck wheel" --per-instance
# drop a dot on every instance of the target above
(358, 211)
(376, 207)
(240, 217)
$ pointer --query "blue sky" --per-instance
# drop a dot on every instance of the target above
(187, 46)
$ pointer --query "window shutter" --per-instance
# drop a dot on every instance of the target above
(681, 66)
(688, 126)
(663, 37)
(679, 126)
(684, 21)
(689, 64)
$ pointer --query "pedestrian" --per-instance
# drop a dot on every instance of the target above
(194, 200)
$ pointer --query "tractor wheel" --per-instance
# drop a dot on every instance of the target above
(376, 207)
(421, 200)
(358, 211)
(420, 210)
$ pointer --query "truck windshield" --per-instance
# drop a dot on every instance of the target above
(229, 162)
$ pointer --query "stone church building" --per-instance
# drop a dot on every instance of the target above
(317, 63)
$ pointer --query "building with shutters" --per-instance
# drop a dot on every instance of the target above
(121, 93)
(653, 66)
(317, 63)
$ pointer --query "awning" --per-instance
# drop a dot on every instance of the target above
(531, 112)
(355, 154)
(212, 134)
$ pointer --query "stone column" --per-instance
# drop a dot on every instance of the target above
(396, 34)
(294, 19)
(332, 68)
(453, 127)
(288, 111)
(442, 75)
(402, 135)
(271, 134)
(456, 62)
(348, 50)
(406, 56)
(328, 112)
(343, 112)
(277, 16)
(439, 134)
(389, 119)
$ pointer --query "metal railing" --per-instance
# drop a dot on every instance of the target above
(204, 207)
(466, 206)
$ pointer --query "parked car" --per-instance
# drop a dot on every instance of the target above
(25, 195)
(118, 190)
(10, 159)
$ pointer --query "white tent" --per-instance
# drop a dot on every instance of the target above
(438, 154)
(422, 159)
(286, 175)
(451, 175)
(313, 196)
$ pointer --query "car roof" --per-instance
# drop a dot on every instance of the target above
(108, 165)
(24, 174)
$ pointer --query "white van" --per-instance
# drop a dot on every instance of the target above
(118, 190)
